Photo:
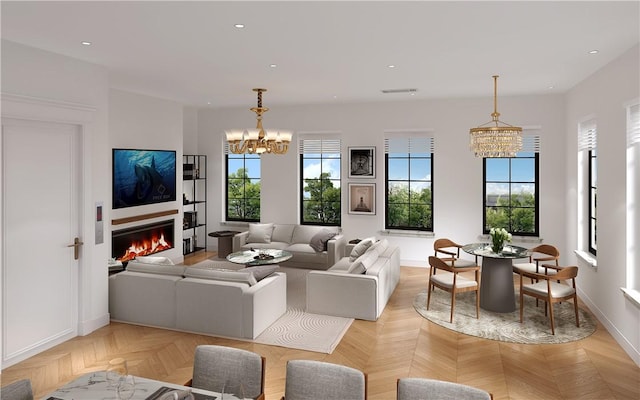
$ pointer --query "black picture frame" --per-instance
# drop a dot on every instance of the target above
(362, 162)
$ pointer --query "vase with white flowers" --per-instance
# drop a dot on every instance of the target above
(498, 237)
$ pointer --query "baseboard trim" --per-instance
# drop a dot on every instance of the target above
(86, 327)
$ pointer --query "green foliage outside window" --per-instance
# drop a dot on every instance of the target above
(321, 201)
(409, 208)
(515, 213)
(243, 197)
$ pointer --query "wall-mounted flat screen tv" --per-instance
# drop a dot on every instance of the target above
(143, 177)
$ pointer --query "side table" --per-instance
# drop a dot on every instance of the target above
(225, 242)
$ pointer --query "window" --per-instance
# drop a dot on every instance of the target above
(243, 187)
(511, 191)
(320, 180)
(409, 183)
(587, 143)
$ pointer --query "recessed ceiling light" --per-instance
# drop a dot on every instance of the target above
(593, 52)
(85, 43)
(273, 65)
(239, 26)
(550, 87)
(391, 66)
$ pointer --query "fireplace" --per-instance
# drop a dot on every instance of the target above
(142, 240)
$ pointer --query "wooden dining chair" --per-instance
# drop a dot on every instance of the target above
(449, 251)
(551, 288)
(451, 281)
(432, 389)
(538, 255)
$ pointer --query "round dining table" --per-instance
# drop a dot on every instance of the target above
(497, 293)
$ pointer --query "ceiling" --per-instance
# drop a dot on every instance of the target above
(331, 51)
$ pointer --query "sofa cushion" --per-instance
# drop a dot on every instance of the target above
(360, 248)
(260, 233)
(342, 265)
(135, 266)
(379, 247)
(240, 276)
(261, 271)
(154, 260)
(282, 233)
(319, 240)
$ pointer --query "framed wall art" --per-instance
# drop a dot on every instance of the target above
(362, 162)
(362, 198)
(143, 177)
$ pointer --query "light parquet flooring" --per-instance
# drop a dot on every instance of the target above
(400, 344)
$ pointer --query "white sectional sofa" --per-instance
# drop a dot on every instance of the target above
(199, 299)
(312, 247)
(358, 285)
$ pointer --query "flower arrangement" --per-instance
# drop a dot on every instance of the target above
(498, 237)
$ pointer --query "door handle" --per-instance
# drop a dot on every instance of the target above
(76, 247)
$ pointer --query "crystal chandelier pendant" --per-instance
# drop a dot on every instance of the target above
(492, 139)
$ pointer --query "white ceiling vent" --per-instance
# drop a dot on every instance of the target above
(387, 91)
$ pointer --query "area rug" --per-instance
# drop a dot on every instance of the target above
(298, 329)
(506, 327)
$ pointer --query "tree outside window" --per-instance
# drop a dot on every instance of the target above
(320, 182)
(511, 194)
(243, 187)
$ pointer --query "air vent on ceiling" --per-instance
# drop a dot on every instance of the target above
(386, 91)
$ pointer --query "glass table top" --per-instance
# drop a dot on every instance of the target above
(259, 256)
(484, 250)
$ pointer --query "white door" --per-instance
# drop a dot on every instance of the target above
(40, 219)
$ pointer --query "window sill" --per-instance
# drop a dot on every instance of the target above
(632, 295)
(514, 238)
(587, 258)
(401, 232)
(235, 223)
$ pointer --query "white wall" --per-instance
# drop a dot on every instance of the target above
(603, 96)
(143, 122)
(458, 204)
(42, 75)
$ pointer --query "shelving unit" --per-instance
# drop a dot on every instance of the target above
(194, 203)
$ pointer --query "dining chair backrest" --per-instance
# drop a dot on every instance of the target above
(551, 251)
(307, 379)
(422, 388)
(440, 246)
(218, 367)
(18, 390)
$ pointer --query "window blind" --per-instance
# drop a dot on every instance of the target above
(410, 144)
(587, 135)
(633, 125)
(530, 144)
(319, 145)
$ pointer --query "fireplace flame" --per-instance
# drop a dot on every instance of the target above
(145, 248)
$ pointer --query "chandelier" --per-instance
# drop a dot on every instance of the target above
(258, 141)
(493, 139)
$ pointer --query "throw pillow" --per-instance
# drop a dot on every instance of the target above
(175, 270)
(154, 260)
(319, 240)
(260, 233)
(380, 246)
(363, 263)
(360, 248)
(261, 271)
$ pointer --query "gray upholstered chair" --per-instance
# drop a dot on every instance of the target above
(422, 388)
(217, 368)
(18, 390)
(451, 253)
(315, 380)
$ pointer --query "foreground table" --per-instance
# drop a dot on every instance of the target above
(94, 386)
(496, 284)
